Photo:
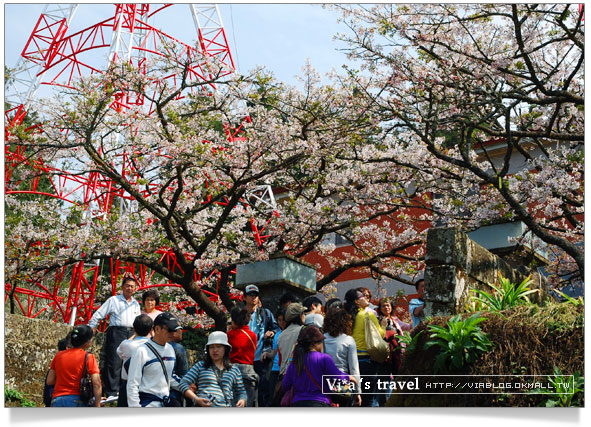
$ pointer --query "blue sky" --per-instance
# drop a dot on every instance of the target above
(279, 37)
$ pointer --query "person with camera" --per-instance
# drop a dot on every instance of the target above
(214, 381)
(151, 367)
(263, 324)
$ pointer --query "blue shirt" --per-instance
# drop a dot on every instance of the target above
(415, 303)
(257, 325)
(181, 365)
(275, 366)
(232, 388)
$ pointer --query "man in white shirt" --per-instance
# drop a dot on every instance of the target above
(122, 310)
(142, 326)
(150, 375)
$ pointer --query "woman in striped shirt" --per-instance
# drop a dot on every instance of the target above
(218, 382)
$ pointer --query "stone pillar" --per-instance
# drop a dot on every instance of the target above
(455, 264)
(276, 277)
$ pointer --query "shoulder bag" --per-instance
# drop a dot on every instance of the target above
(166, 400)
(86, 391)
(316, 384)
(378, 349)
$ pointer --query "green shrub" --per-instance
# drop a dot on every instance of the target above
(567, 390)
(409, 341)
(195, 339)
(461, 342)
(570, 300)
(506, 296)
(12, 395)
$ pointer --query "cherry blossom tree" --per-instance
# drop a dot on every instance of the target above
(191, 184)
(485, 103)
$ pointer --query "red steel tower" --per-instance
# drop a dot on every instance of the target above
(56, 56)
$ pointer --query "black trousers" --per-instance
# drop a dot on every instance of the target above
(265, 396)
(111, 375)
(122, 400)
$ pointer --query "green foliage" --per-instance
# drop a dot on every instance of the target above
(569, 300)
(409, 341)
(12, 395)
(461, 342)
(506, 296)
(195, 339)
(567, 390)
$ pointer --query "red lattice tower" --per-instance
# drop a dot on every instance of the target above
(53, 56)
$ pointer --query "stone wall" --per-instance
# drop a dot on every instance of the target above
(455, 264)
(29, 347)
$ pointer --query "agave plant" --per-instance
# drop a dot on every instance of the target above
(461, 342)
(506, 296)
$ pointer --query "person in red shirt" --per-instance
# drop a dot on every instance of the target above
(67, 367)
(244, 344)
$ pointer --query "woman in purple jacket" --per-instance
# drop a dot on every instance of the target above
(309, 364)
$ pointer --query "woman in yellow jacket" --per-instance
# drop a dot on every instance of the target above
(357, 304)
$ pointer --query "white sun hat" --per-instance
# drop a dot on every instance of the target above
(218, 337)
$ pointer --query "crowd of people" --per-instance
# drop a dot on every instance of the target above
(307, 354)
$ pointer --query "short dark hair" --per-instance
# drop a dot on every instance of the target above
(333, 303)
(310, 301)
(208, 362)
(288, 297)
(151, 293)
(280, 312)
(142, 325)
(128, 276)
(240, 315)
(417, 283)
(385, 301)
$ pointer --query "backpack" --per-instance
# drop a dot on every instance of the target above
(267, 319)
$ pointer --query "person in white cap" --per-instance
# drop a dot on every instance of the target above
(218, 382)
(151, 367)
(263, 324)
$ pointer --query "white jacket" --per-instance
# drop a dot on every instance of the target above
(146, 374)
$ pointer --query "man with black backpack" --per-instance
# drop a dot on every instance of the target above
(151, 367)
(263, 324)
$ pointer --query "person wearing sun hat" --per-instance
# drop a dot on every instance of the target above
(219, 383)
(295, 315)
